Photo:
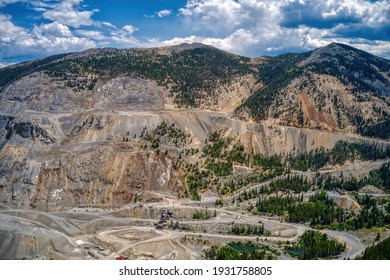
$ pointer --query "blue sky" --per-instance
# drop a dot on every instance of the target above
(38, 28)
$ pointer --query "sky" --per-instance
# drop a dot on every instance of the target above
(39, 28)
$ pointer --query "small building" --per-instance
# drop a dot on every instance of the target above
(160, 225)
(166, 214)
(164, 217)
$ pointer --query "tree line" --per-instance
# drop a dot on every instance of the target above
(379, 251)
(238, 251)
(316, 245)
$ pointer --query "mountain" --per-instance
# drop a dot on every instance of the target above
(103, 126)
(191, 72)
(336, 88)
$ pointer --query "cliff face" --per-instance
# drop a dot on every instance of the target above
(74, 129)
(97, 158)
(99, 177)
(83, 168)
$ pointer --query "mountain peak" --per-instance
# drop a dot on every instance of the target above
(331, 50)
(190, 46)
(182, 47)
(345, 53)
(337, 45)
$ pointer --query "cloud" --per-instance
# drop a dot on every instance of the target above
(42, 40)
(39, 9)
(286, 13)
(274, 26)
(164, 13)
(332, 12)
(62, 11)
(6, 2)
(52, 30)
(129, 29)
(246, 27)
(214, 15)
(108, 24)
(125, 36)
(281, 40)
(161, 14)
(48, 38)
(92, 34)
(9, 32)
(66, 12)
(42, 6)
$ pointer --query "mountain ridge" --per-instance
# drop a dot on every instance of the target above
(338, 81)
(336, 87)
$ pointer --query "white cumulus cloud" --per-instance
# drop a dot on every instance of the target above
(125, 36)
(6, 2)
(246, 27)
(129, 29)
(214, 15)
(164, 13)
(250, 27)
(92, 34)
(52, 30)
(44, 39)
(66, 12)
(48, 38)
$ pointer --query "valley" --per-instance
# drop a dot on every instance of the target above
(105, 232)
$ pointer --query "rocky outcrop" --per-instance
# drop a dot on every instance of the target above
(96, 158)
(100, 176)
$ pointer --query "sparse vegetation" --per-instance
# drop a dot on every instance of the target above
(319, 211)
(377, 177)
(165, 134)
(191, 75)
(379, 251)
(248, 230)
(238, 251)
(172, 134)
(201, 215)
(356, 70)
(196, 180)
(15, 72)
(339, 154)
(275, 73)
